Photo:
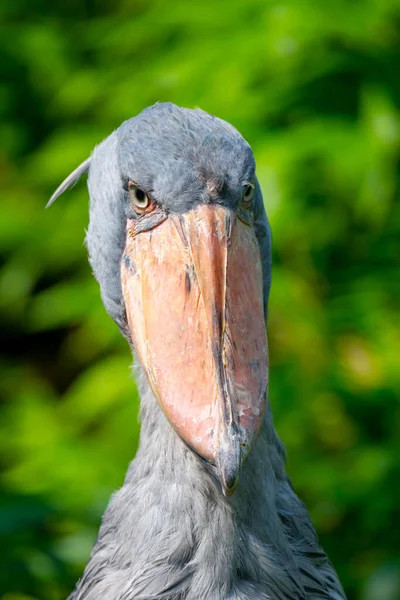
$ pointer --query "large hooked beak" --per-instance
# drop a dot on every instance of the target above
(194, 298)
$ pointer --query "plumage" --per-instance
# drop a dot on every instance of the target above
(70, 181)
(170, 532)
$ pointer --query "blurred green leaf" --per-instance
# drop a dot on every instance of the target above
(314, 88)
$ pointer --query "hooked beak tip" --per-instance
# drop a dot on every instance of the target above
(229, 462)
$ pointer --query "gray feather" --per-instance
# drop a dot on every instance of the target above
(169, 533)
(70, 180)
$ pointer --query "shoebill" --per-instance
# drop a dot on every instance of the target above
(180, 244)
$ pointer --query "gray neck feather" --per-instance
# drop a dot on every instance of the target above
(170, 534)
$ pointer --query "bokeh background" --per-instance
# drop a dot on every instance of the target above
(315, 88)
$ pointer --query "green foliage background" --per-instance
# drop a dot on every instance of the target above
(315, 88)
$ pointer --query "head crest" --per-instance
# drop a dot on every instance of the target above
(70, 180)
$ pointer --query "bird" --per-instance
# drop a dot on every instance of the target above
(180, 244)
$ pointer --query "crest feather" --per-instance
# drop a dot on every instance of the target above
(70, 180)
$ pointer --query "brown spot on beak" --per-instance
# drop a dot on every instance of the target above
(128, 263)
(188, 282)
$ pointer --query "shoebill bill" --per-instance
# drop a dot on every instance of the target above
(180, 244)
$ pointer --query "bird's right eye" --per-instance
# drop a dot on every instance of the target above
(139, 200)
(248, 194)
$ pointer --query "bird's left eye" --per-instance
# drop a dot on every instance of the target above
(248, 194)
(139, 200)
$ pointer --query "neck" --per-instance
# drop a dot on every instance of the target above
(184, 520)
(170, 534)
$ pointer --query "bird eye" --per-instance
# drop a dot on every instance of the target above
(139, 200)
(248, 194)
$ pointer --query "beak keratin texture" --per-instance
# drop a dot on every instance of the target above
(193, 293)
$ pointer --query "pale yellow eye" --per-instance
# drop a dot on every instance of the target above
(138, 198)
(248, 194)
